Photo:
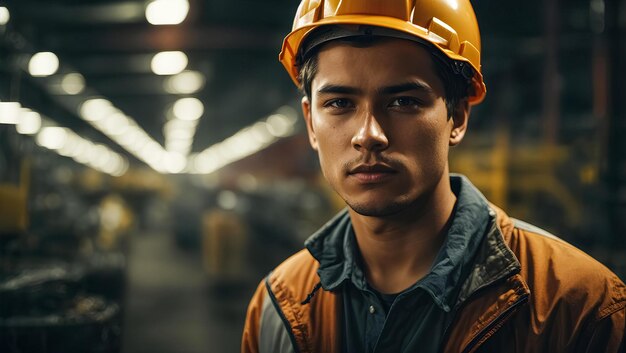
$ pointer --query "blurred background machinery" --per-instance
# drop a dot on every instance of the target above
(154, 165)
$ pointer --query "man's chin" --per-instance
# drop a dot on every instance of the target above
(377, 210)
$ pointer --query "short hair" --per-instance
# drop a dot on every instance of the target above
(455, 76)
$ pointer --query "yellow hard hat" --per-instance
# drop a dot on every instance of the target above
(449, 25)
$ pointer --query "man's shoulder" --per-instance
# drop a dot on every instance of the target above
(536, 246)
(298, 273)
(559, 270)
(298, 263)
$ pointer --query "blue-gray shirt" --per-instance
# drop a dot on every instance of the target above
(416, 319)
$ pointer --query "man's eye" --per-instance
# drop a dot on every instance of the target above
(338, 103)
(404, 102)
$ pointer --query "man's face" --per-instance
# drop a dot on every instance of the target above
(378, 120)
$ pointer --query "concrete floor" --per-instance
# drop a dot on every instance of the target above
(171, 307)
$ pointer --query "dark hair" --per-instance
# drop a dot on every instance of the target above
(454, 75)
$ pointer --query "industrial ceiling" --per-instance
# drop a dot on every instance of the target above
(231, 49)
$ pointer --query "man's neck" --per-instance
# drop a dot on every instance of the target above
(399, 250)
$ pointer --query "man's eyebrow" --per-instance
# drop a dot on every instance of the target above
(330, 88)
(405, 87)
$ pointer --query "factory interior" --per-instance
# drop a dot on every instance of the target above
(155, 166)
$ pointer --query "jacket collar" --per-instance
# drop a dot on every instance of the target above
(455, 273)
(331, 247)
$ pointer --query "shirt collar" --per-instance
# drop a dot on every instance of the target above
(334, 248)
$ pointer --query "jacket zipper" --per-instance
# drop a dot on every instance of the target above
(496, 323)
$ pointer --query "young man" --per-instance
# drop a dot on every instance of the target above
(419, 261)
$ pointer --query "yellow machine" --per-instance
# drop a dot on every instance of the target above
(13, 203)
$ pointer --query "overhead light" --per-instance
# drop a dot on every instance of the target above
(245, 142)
(177, 124)
(227, 200)
(86, 154)
(121, 168)
(169, 62)
(122, 129)
(96, 109)
(52, 137)
(260, 132)
(180, 134)
(102, 156)
(29, 122)
(116, 124)
(188, 109)
(75, 148)
(178, 144)
(130, 136)
(167, 12)
(280, 125)
(73, 83)
(117, 165)
(5, 16)
(43, 64)
(186, 82)
(151, 151)
(174, 162)
(69, 144)
(9, 112)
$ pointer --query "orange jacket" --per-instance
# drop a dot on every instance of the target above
(528, 292)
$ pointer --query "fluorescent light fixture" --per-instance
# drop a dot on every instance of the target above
(96, 109)
(10, 112)
(75, 148)
(245, 142)
(175, 144)
(131, 137)
(29, 122)
(188, 109)
(280, 125)
(69, 144)
(177, 124)
(138, 144)
(43, 64)
(117, 165)
(186, 82)
(169, 62)
(121, 168)
(122, 129)
(260, 133)
(174, 162)
(167, 12)
(73, 83)
(177, 127)
(150, 151)
(102, 156)
(5, 16)
(52, 137)
(179, 136)
(116, 124)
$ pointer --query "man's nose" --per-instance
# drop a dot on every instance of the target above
(370, 135)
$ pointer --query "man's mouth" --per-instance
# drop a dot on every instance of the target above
(371, 173)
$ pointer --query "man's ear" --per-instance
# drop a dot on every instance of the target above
(459, 122)
(306, 111)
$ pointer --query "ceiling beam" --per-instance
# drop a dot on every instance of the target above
(149, 39)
